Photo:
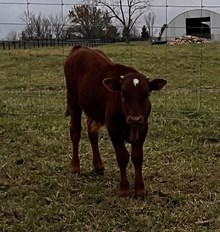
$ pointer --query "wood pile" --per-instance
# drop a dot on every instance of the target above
(188, 39)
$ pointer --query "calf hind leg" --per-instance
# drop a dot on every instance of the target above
(93, 128)
(75, 130)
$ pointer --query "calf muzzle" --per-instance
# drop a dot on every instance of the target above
(135, 120)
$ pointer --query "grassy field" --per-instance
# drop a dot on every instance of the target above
(182, 152)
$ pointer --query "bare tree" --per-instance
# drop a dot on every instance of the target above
(37, 26)
(126, 12)
(43, 27)
(12, 36)
(150, 20)
(58, 23)
(28, 19)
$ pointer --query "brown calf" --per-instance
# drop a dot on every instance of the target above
(113, 95)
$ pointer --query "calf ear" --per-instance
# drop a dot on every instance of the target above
(112, 84)
(157, 84)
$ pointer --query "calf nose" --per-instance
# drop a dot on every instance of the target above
(135, 119)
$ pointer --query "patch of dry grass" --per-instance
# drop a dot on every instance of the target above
(182, 150)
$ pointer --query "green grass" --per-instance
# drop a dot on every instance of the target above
(182, 150)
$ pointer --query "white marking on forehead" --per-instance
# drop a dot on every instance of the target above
(135, 81)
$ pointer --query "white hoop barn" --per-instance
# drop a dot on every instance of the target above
(199, 22)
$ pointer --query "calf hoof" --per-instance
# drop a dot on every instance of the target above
(139, 194)
(74, 169)
(136, 197)
(99, 171)
(124, 193)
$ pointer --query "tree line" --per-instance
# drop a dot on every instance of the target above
(89, 21)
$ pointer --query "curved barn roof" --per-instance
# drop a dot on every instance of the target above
(177, 26)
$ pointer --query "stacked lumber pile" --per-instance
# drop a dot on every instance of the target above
(188, 39)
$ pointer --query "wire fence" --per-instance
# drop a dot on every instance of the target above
(185, 97)
(165, 12)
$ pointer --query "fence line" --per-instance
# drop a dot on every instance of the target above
(166, 6)
(25, 44)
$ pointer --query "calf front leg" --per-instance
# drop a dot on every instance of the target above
(122, 156)
(137, 160)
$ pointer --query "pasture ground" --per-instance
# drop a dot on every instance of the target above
(182, 152)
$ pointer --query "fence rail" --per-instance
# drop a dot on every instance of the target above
(22, 44)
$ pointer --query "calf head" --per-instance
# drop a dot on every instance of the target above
(134, 91)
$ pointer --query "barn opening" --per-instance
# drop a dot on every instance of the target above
(198, 27)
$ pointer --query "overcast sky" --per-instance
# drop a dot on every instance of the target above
(11, 10)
